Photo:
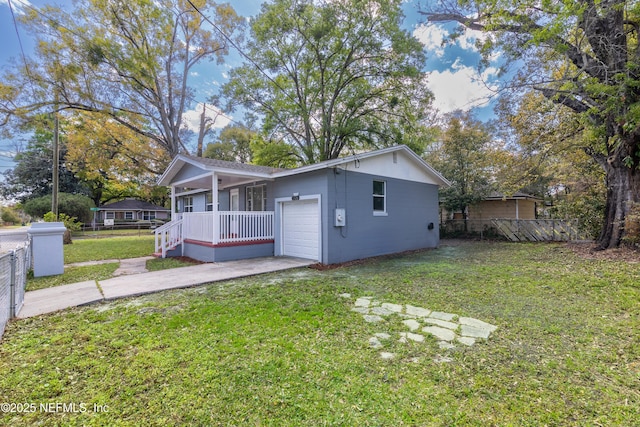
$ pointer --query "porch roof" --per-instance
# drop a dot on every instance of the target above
(229, 173)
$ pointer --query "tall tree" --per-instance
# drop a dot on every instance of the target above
(463, 157)
(546, 156)
(113, 161)
(332, 75)
(31, 176)
(130, 60)
(584, 56)
(233, 145)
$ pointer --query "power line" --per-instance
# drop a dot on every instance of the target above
(247, 57)
(24, 57)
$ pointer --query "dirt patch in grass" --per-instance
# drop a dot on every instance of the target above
(588, 250)
(323, 267)
(188, 260)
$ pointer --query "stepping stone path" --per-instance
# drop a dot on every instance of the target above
(448, 328)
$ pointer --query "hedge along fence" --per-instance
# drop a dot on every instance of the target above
(14, 266)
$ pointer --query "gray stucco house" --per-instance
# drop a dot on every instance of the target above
(369, 204)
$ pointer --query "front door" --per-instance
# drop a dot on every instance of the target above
(235, 199)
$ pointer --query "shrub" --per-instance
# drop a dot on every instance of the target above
(10, 216)
(73, 205)
(69, 222)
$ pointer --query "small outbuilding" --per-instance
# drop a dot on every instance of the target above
(364, 205)
(517, 206)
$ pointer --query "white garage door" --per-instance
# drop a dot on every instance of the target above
(301, 229)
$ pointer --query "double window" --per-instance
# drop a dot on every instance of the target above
(257, 198)
(187, 204)
(379, 197)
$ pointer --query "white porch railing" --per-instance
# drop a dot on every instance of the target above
(236, 226)
(229, 227)
(215, 228)
(168, 236)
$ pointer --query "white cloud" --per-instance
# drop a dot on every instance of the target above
(191, 118)
(459, 89)
(467, 41)
(432, 37)
(18, 5)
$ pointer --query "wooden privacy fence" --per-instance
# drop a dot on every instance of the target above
(538, 230)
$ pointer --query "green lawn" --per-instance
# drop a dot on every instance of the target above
(102, 249)
(286, 349)
(108, 248)
(73, 275)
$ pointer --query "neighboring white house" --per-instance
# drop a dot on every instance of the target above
(369, 204)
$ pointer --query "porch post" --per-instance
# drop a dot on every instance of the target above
(173, 202)
(214, 208)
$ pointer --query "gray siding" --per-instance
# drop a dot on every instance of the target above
(207, 253)
(188, 171)
(411, 206)
(308, 184)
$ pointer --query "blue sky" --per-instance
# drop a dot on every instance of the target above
(453, 77)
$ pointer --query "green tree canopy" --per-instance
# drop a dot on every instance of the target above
(233, 144)
(463, 157)
(130, 60)
(330, 76)
(31, 176)
(583, 56)
(73, 205)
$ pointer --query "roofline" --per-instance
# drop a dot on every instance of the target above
(308, 168)
(101, 208)
(522, 197)
(342, 160)
(211, 169)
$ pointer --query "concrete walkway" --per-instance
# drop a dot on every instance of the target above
(130, 284)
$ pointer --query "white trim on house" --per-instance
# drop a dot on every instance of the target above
(422, 173)
(189, 192)
(375, 167)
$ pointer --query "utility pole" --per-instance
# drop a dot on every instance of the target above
(56, 159)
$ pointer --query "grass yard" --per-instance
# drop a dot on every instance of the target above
(108, 248)
(286, 349)
(91, 250)
(73, 275)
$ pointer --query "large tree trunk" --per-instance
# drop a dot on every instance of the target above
(623, 190)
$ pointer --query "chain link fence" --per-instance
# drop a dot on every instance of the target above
(14, 266)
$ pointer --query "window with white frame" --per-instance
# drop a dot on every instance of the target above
(187, 204)
(257, 198)
(109, 215)
(128, 215)
(379, 197)
(149, 215)
(209, 202)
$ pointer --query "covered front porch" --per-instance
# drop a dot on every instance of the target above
(218, 211)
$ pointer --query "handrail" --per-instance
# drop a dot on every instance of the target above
(168, 236)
